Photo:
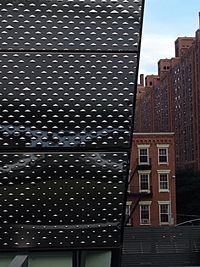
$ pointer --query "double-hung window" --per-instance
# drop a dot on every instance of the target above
(163, 180)
(143, 152)
(164, 209)
(144, 181)
(163, 154)
(145, 212)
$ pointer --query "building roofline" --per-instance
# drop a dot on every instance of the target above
(185, 37)
(156, 133)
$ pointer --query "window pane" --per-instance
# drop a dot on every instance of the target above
(165, 218)
(164, 208)
(162, 155)
(144, 212)
(96, 258)
(164, 181)
(143, 155)
(51, 259)
(144, 182)
(164, 213)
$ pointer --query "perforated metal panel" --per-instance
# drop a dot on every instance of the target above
(70, 25)
(67, 87)
(64, 100)
(48, 199)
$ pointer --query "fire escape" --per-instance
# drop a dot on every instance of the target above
(135, 194)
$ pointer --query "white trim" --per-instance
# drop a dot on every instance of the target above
(129, 203)
(144, 190)
(128, 208)
(167, 155)
(162, 145)
(164, 171)
(163, 190)
(169, 210)
(149, 219)
(129, 188)
(145, 202)
(164, 202)
(144, 171)
(167, 173)
(143, 146)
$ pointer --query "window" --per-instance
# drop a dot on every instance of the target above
(162, 154)
(163, 182)
(144, 213)
(164, 213)
(128, 213)
(144, 156)
(144, 182)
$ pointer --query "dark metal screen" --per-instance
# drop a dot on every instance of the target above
(62, 100)
(161, 246)
(67, 85)
(105, 25)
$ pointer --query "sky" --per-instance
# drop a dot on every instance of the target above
(164, 22)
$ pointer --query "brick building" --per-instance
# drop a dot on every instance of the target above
(152, 197)
(171, 101)
(145, 103)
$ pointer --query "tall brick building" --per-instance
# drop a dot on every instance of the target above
(171, 101)
(151, 192)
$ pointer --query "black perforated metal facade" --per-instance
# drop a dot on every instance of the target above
(55, 100)
(105, 25)
(67, 88)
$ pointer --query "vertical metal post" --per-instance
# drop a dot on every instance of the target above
(76, 258)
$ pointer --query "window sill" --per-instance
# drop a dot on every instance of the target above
(164, 223)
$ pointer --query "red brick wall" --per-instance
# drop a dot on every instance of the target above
(153, 140)
(172, 104)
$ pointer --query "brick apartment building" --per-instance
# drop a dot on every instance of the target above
(151, 192)
(170, 101)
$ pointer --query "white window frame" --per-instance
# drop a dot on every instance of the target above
(163, 146)
(167, 172)
(143, 147)
(169, 212)
(128, 207)
(140, 173)
(129, 188)
(147, 203)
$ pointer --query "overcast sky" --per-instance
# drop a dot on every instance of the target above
(164, 21)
